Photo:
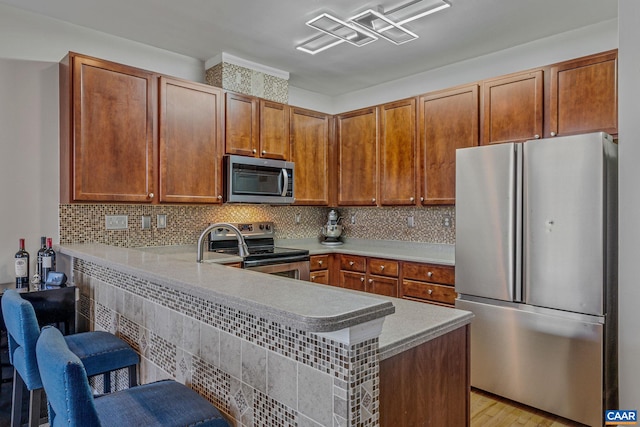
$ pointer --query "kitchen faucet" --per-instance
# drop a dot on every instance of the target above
(243, 250)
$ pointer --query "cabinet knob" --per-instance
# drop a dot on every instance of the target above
(313, 278)
(151, 195)
(430, 291)
(370, 280)
(320, 262)
(362, 279)
(219, 197)
(382, 267)
(264, 152)
(411, 199)
(430, 274)
(351, 263)
(254, 151)
(553, 134)
(373, 200)
(422, 199)
(536, 136)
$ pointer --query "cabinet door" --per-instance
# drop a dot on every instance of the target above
(351, 280)
(190, 142)
(398, 159)
(310, 153)
(512, 108)
(242, 124)
(319, 276)
(448, 120)
(382, 286)
(112, 138)
(583, 96)
(357, 158)
(274, 130)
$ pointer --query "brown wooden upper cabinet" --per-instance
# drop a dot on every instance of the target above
(310, 151)
(190, 142)
(512, 108)
(398, 148)
(448, 120)
(357, 136)
(107, 121)
(256, 127)
(583, 95)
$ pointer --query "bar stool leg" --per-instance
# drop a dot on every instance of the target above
(35, 400)
(133, 376)
(107, 382)
(16, 400)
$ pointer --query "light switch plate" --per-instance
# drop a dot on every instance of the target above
(161, 220)
(146, 222)
(116, 222)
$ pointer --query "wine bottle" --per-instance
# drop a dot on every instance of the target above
(43, 248)
(22, 267)
(48, 260)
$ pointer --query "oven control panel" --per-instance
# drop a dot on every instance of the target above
(250, 230)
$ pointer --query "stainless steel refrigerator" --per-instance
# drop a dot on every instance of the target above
(536, 262)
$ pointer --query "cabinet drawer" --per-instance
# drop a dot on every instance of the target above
(429, 272)
(382, 286)
(319, 276)
(428, 291)
(318, 262)
(353, 263)
(351, 280)
(383, 267)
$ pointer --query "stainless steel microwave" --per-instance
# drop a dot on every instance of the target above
(254, 180)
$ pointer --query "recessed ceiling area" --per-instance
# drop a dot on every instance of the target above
(268, 31)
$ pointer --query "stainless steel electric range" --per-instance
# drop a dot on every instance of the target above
(263, 256)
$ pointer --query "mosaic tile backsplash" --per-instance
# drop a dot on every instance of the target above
(258, 372)
(85, 223)
(249, 82)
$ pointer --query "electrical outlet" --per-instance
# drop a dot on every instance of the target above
(116, 222)
(298, 218)
(146, 222)
(353, 219)
(410, 222)
(446, 221)
(161, 220)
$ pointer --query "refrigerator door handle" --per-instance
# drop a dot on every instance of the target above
(518, 281)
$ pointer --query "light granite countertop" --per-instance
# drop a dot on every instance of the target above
(390, 249)
(303, 305)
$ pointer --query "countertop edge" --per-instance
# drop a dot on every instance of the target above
(389, 350)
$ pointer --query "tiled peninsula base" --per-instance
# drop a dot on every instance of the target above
(257, 371)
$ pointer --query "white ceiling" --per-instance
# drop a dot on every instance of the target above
(267, 31)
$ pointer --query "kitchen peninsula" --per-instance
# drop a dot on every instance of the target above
(273, 351)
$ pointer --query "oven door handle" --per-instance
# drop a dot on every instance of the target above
(272, 261)
(284, 183)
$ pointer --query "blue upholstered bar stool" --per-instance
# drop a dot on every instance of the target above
(100, 352)
(164, 403)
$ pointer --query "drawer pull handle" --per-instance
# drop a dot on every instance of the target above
(313, 278)
(430, 274)
(430, 291)
(351, 263)
(362, 279)
(370, 280)
(320, 262)
(382, 267)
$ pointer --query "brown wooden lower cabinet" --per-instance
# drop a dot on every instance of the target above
(387, 286)
(320, 276)
(428, 385)
(352, 280)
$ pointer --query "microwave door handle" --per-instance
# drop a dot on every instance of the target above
(285, 182)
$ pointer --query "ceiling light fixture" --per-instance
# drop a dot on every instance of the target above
(366, 27)
(340, 29)
(384, 27)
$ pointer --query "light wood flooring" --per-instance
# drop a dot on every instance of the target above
(488, 410)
